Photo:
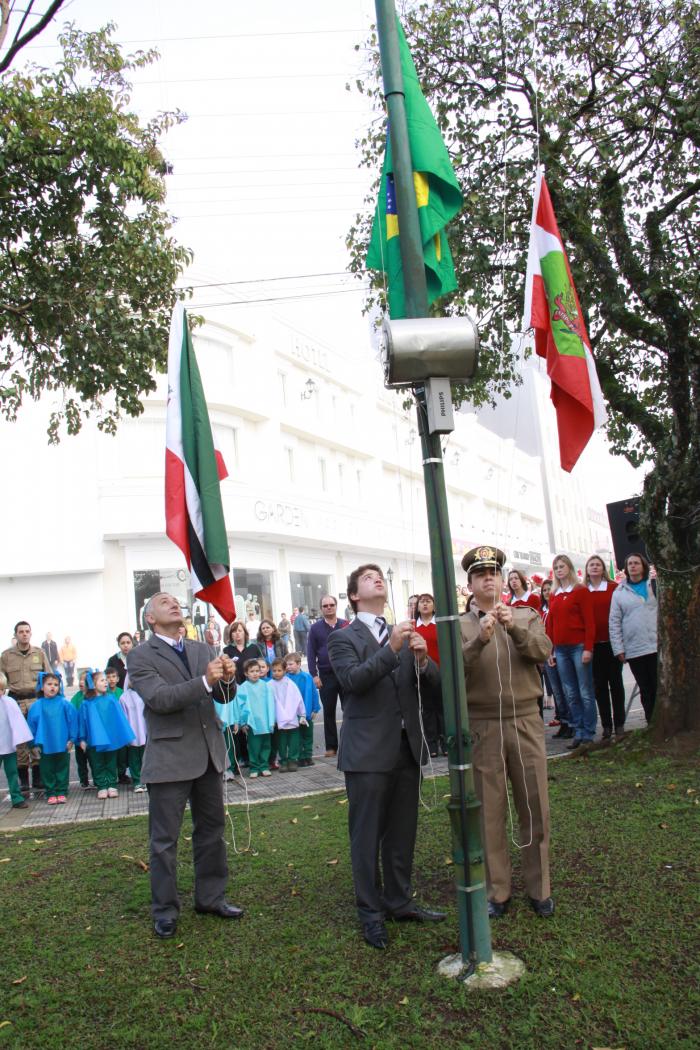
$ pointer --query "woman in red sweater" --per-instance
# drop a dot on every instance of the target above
(431, 698)
(607, 669)
(520, 593)
(571, 627)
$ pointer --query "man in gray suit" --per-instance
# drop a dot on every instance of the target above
(184, 760)
(381, 752)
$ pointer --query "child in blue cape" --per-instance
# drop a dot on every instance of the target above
(102, 730)
(229, 714)
(81, 758)
(13, 732)
(256, 711)
(54, 725)
(312, 703)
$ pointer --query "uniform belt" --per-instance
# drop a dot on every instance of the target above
(20, 696)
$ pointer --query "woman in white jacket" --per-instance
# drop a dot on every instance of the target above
(633, 616)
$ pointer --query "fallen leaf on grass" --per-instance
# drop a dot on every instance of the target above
(88, 928)
(294, 820)
(295, 893)
(4, 1024)
(607, 1048)
(306, 807)
(576, 998)
(316, 817)
(662, 825)
(448, 860)
(142, 865)
(639, 784)
(331, 863)
(404, 1001)
(125, 856)
(40, 842)
(20, 980)
(691, 791)
(180, 945)
(670, 787)
(290, 864)
(4, 860)
(342, 802)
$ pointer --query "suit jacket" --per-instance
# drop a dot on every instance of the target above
(118, 662)
(379, 689)
(183, 729)
(51, 650)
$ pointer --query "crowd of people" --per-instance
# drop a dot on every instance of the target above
(180, 713)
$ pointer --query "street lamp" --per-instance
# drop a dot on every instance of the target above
(310, 389)
(390, 577)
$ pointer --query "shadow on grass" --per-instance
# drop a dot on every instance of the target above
(81, 968)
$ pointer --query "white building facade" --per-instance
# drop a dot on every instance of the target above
(324, 472)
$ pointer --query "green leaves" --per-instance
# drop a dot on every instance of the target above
(87, 263)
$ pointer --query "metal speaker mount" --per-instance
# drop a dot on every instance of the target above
(419, 348)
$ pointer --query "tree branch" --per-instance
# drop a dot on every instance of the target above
(21, 41)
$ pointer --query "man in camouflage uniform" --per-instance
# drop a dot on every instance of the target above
(22, 664)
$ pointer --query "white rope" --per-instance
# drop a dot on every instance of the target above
(229, 738)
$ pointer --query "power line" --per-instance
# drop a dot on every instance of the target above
(217, 36)
(275, 299)
(263, 171)
(250, 76)
(267, 280)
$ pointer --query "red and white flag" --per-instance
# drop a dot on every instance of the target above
(553, 310)
(194, 513)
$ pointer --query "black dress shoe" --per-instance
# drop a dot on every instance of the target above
(545, 908)
(574, 744)
(497, 909)
(375, 934)
(165, 927)
(223, 911)
(417, 914)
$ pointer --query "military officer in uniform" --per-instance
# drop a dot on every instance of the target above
(21, 665)
(502, 647)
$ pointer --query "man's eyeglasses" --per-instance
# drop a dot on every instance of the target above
(328, 606)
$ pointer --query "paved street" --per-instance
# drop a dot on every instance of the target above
(84, 805)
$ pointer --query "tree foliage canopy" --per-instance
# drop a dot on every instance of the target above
(609, 91)
(87, 262)
(606, 94)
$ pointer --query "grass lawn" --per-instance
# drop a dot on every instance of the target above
(81, 969)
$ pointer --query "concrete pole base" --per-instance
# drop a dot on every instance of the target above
(504, 969)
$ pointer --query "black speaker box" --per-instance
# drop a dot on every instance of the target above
(624, 526)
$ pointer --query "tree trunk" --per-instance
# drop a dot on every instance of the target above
(670, 529)
(678, 699)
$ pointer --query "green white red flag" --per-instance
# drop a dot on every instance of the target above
(552, 309)
(194, 513)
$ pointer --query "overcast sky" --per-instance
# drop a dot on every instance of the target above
(266, 180)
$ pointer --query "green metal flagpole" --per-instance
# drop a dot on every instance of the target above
(467, 852)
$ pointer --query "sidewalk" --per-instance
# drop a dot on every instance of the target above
(323, 776)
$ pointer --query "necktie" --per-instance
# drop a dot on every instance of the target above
(179, 645)
(383, 636)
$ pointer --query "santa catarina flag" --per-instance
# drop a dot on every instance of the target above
(438, 198)
(553, 310)
(194, 515)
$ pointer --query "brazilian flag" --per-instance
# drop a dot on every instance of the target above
(438, 198)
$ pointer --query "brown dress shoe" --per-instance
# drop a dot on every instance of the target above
(331, 753)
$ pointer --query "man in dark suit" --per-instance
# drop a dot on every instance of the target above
(381, 752)
(185, 759)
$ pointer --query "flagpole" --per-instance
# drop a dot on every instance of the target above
(463, 807)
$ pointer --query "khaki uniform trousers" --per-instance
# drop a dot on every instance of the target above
(530, 787)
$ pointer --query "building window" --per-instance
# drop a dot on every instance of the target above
(282, 376)
(341, 478)
(290, 463)
(322, 473)
(358, 480)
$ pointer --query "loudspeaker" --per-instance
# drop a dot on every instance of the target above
(624, 526)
